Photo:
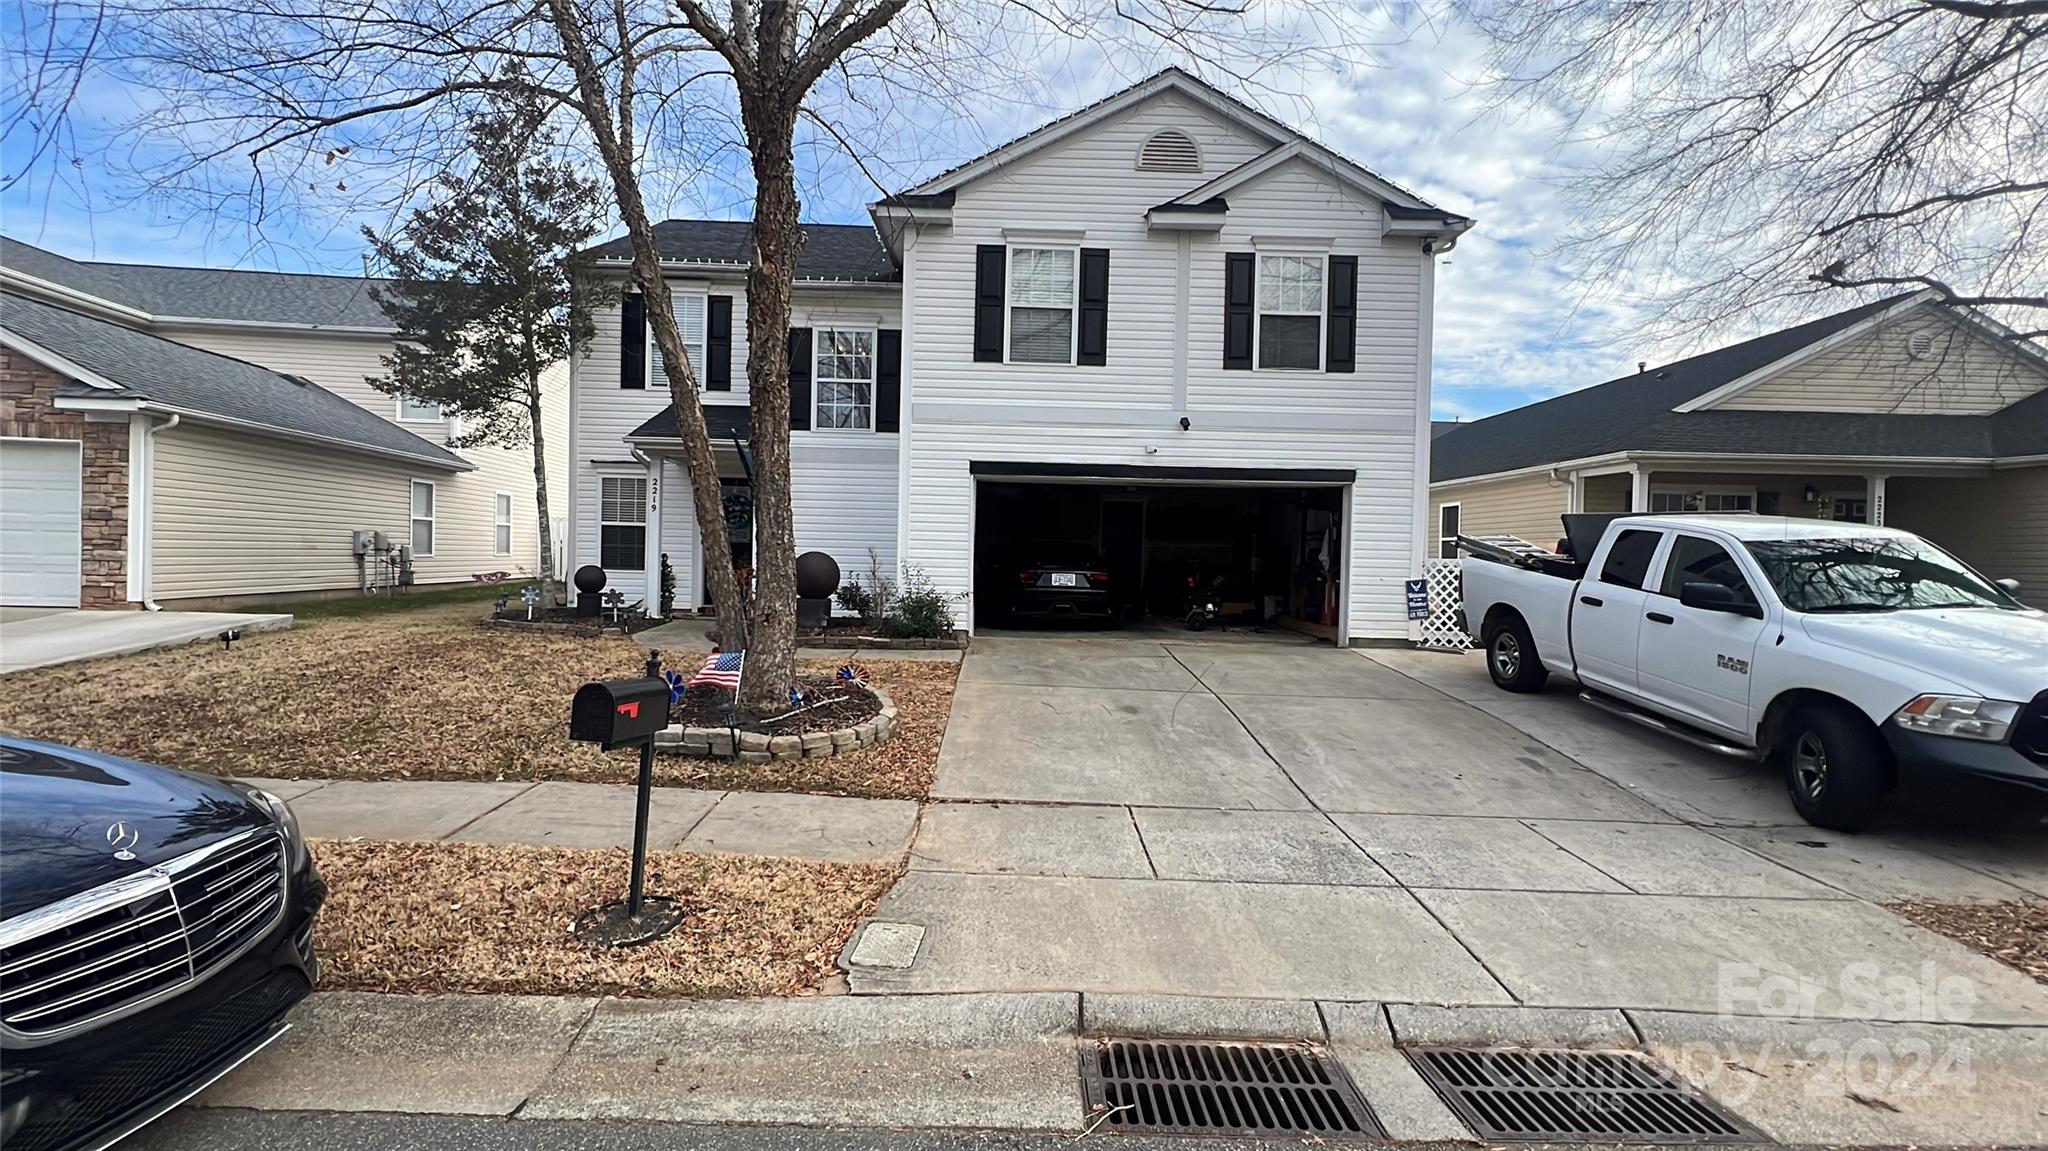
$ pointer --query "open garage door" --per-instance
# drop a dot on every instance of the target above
(1265, 547)
(40, 488)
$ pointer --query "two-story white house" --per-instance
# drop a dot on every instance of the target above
(1165, 333)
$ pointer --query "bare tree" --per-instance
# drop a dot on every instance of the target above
(268, 106)
(1749, 154)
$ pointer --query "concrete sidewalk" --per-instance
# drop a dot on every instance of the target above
(34, 637)
(817, 827)
(1008, 1061)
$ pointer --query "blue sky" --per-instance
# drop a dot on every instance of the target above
(1512, 325)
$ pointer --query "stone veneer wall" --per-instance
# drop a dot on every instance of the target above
(26, 389)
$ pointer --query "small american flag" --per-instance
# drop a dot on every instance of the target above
(722, 668)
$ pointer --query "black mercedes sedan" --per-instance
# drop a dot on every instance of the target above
(155, 926)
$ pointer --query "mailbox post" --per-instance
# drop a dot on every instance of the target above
(627, 713)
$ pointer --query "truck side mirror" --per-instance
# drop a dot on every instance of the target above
(2011, 586)
(1715, 597)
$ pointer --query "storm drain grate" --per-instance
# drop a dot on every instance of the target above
(1536, 1095)
(1206, 1087)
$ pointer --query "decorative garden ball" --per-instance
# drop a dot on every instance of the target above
(590, 579)
(817, 575)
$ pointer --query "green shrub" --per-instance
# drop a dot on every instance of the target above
(855, 598)
(668, 587)
(921, 610)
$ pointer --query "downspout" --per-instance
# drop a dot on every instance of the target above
(149, 511)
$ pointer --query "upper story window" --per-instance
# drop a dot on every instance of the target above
(690, 309)
(1043, 294)
(1169, 150)
(411, 411)
(1291, 292)
(843, 373)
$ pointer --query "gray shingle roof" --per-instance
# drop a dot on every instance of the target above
(2021, 429)
(184, 377)
(724, 421)
(1634, 413)
(831, 252)
(208, 293)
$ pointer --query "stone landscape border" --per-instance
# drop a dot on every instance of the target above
(760, 747)
(956, 642)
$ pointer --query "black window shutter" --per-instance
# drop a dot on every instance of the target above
(1341, 354)
(1237, 310)
(990, 272)
(889, 380)
(800, 379)
(718, 344)
(1094, 347)
(633, 341)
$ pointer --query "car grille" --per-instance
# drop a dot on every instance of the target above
(2030, 734)
(140, 938)
(111, 1090)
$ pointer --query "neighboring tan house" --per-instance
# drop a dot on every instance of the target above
(186, 437)
(1903, 412)
(1165, 332)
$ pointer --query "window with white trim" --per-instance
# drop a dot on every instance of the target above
(1448, 526)
(622, 523)
(501, 523)
(411, 411)
(1044, 296)
(423, 517)
(690, 308)
(1289, 311)
(1682, 499)
(843, 377)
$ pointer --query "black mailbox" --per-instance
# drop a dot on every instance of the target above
(618, 711)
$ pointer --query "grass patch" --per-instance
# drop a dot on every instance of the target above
(2015, 934)
(371, 606)
(421, 694)
(459, 917)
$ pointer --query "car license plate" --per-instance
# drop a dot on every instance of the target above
(1063, 579)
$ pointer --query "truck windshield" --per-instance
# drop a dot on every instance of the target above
(1854, 574)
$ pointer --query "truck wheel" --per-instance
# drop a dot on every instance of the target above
(1835, 767)
(1511, 657)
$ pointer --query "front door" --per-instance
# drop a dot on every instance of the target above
(1691, 662)
(1608, 613)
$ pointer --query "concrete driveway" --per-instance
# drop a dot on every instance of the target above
(45, 637)
(1120, 815)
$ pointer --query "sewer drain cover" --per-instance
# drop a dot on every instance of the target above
(1201, 1087)
(1544, 1096)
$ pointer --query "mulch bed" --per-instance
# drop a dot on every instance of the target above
(2015, 934)
(565, 619)
(466, 917)
(425, 694)
(832, 705)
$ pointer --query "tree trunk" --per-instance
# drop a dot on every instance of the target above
(540, 487)
(771, 661)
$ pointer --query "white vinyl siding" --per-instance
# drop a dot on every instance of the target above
(1288, 318)
(843, 378)
(422, 518)
(1043, 300)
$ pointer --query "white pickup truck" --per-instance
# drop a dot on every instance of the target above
(1845, 653)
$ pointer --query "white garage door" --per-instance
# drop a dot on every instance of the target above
(39, 536)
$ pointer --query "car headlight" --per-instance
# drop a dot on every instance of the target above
(287, 823)
(1962, 716)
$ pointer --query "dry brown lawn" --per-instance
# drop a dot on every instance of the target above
(420, 694)
(2015, 934)
(460, 917)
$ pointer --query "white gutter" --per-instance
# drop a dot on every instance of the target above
(147, 506)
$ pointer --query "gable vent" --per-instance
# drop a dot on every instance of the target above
(1169, 150)
(1920, 345)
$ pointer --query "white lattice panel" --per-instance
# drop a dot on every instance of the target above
(1441, 630)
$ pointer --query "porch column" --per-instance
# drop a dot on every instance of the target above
(652, 559)
(1875, 495)
(1639, 490)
